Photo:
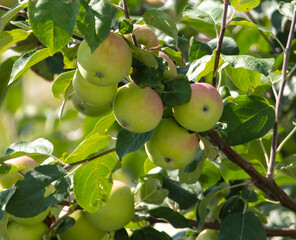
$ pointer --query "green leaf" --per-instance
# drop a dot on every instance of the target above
(62, 83)
(129, 142)
(30, 199)
(6, 17)
(198, 49)
(183, 197)
(248, 195)
(26, 61)
(92, 185)
(125, 26)
(152, 193)
(244, 5)
(94, 21)
(148, 233)
(229, 46)
(246, 23)
(244, 79)
(231, 206)
(210, 174)
(8, 38)
(3, 226)
(177, 91)
(5, 195)
(176, 219)
(242, 226)
(208, 11)
(288, 166)
(53, 21)
(121, 234)
(5, 69)
(260, 65)
(246, 118)
(96, 141)
(39, 149)
(176, 56)
(162, 21)
(286, 9)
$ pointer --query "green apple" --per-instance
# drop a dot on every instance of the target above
(17, 231)
(83, 229)
(203, 110)
(93, 94)
(108, 64)
(31, 220)
(90, 110)
(118, 210)
(207, 234)
(171, 146)
(145, 36)
(137, 109)
(8, 179)
(172, 70)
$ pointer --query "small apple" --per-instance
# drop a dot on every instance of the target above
(207, 234)
(203, 110)
(137, 109)
(93, 94)
(17, 231)
(83, 229)
(90, 110)
(171, 146)
(144, 36)
(108, 64)
(171, 71)
(7, 180)
(118, 210)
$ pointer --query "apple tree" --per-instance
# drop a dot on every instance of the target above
(147, 119)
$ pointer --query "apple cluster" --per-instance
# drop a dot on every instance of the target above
(140, 109)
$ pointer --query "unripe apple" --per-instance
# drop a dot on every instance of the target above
(145, 36)
(90, 110)
(171, 146)
(83, 229)
(118, 210)
(93, 94)
(137, 109)
(171, 71)
(108, 64)
(207, 234)
(7, 180)
(17, 231)
(203, 110)
(31, 220)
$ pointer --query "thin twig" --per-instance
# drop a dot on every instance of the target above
(264, 150)
(6, 9)
(280, 98)
(219, 45)
(89, 159)
(279, 148)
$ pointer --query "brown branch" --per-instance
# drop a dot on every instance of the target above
(220, 40)
(280, 97)
(265, 184)
(89, 159)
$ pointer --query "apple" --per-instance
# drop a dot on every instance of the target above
(108, 64)
(17, 231)
(171, 146)
(31, 220)
(203, 110)
(171, 71)
(83, 229)
(207, 234)
(118, 210)
(144, 36)
(90, 110)
(137, 109)
(7, 180)
(93, 94)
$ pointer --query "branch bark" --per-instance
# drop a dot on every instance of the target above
(267, 185)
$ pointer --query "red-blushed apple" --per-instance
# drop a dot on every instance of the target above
(90, 110)
(137, 109)
(203, 110)
(172, 70)
(171, 146)
(145, 36)
(108, 64)
(118, 210)
(17, 231)
(7, 180)
(83, 229)
(93, 94)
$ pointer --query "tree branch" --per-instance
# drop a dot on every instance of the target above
(220, 40)
(265, 184)
(89, 159)
(280, 97)
(6, 9)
